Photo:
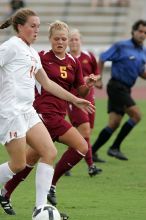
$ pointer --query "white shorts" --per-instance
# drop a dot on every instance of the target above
(14, 128)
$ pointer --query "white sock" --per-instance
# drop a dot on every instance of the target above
(5, 173)
(44, 175)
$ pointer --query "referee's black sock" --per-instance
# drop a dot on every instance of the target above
(125, 130)
(103, 137)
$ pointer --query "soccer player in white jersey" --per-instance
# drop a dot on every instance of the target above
(20, 66)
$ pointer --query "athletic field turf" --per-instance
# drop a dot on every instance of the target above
(119, 193)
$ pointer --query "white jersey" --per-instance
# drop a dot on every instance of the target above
(18, 65)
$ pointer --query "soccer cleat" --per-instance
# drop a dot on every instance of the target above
(35, 212)
(117, 154)
(96, 159)
(6, 205)
(52, 196)
(64, 216)
(93, 170)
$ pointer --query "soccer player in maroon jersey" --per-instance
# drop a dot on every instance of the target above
(66, 71)
(84, 121)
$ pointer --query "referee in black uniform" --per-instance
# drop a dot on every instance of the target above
(128, 59)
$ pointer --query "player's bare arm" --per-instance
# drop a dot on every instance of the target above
(58, 91)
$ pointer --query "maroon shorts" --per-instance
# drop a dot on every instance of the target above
(78, 117)
(55, 124)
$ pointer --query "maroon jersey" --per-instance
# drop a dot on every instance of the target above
(66, 72)
(89, 65)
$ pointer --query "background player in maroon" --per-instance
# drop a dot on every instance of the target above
(84, 121)
(66, 71)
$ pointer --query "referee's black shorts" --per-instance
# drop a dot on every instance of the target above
(119, 97)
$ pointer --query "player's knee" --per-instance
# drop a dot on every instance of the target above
(137, 117)
(114, 125)
(32, 156)
(86, 133)
(53, 154)
(84, 147)
(33, 159)
(84, 130)
(49, 156)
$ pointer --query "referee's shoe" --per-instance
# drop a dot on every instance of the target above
(117, 154)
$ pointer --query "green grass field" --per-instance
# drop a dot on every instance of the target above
(119, 193)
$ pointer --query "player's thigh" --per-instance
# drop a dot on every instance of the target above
(55, 124)
(114, 120)
(16, 150)
(74, 139)
(39, 139)
(84, 129)
(134, 113)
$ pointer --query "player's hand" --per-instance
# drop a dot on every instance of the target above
(83, 104)
(99, 83)
(90, 80)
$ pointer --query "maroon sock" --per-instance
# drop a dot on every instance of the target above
(68, 160)
(88, 157)
(14, 182)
